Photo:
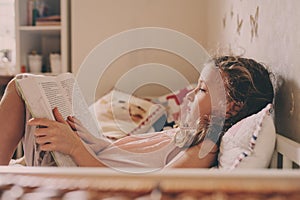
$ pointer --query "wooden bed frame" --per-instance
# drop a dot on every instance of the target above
(280, 181)
(286, 154)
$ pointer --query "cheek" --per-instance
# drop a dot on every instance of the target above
(204, 104)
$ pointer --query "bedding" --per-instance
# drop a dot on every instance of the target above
(249, 143)
(120, 114)
(172, 102)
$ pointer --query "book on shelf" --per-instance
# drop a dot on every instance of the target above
(48, 21)
(38, 14)
(43, 93)
(30, 6)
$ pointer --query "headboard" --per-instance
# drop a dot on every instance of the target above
(286, 154)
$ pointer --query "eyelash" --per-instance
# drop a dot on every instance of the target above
(201, 90)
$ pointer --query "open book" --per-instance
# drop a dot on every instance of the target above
(43, 93)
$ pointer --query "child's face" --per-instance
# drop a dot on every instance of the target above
(200, 95)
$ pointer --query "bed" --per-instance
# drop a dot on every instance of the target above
(281, 180)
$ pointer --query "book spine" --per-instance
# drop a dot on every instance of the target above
(29, 12)
(35, 13)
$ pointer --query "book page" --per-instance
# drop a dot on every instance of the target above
(66, 81)
(33, 98)
(79, 106)
(55, 97)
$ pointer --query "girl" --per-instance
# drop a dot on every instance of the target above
(229, 89)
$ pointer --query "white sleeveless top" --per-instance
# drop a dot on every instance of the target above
(116, 157)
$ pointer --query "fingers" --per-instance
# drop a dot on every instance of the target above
(76, 124)
(71, 118)
(40, 122)
(58, 116)
(40, 132)
(58, 137)
(42, 137)
(47, 147)
(41, 140)
(72, 124)
(75, 120)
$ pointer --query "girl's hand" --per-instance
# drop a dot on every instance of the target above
(55, 135)
(94, 143)
(76, 125)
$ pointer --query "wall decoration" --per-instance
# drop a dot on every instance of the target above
(224, 21)
(239, 24)
(231, 12)
(254, 24)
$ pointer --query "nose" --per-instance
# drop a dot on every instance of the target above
(191, 95)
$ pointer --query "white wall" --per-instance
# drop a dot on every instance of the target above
(7, 25)
(277, 44)
(97, 20)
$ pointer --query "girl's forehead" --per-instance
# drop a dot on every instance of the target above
(209, 73)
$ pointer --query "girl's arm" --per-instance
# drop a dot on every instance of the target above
(83, 158)
(59, 136)
(192, 159)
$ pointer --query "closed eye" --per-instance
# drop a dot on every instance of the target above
(202, 90)
(199, 89)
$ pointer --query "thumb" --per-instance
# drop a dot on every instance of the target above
(57, 115)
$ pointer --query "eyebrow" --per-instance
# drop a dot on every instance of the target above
(202, 82)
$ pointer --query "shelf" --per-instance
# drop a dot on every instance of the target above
(39, 28)
(45, 73)
(44, 39)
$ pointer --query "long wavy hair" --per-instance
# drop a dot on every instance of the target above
(248, 88)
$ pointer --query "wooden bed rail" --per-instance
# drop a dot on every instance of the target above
(169, 183)
(287, 153)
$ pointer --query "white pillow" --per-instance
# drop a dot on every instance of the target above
(249, 143)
